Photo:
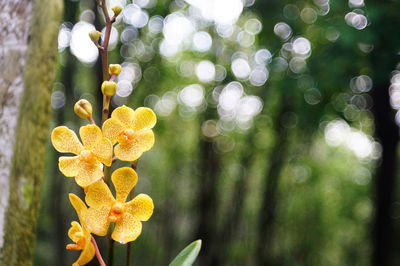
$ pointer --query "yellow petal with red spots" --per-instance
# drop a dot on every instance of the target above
(103, 150)
(112, 127)
(87, 253)
(90, 135)
(75, 231)
(143, 118)
(124, 114)
(130, 151)
(65, 140)
(124, 180)
(128, 229)
(96, 220)
(141, 207)
(78, 205)
(69, 166)
(145, 139)
(98, 194)
(88, 174)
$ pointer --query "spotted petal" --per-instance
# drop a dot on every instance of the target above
(90, 135)
(98, 194)
(87, 253)
(75, 228)
(112, 127)
(143, 118)
(65, 140)
(88, 174)
(145, 139)
(128, 151)
(124, 114)
(103, 150)
(141, 207)
(96, 219)
(124, 180)
(128, 229)
(69, 166)
(78, 205)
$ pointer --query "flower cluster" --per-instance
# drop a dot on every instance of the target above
(132, 130)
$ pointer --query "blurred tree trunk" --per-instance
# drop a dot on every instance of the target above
(267, 211)
(28, 63)
(385, 24)
(233, 218)
(387, 133)
(209, 170)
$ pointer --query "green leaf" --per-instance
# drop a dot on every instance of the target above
(188, 255)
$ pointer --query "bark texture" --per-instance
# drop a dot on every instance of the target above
(28, 63)
(14, 17)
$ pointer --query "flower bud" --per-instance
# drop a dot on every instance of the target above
(109, 88)
(114, 69)
(95, 36)
(117, 10)
(83, 109)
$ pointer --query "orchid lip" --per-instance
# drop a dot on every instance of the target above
(116, 212)
(87, 156)
(126, 136)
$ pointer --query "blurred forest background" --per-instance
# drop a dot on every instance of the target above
(276, 141)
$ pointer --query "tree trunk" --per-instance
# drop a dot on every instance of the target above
(209, 169)
(28, 64)
(387, 133)
(264, 249)
(384, 26)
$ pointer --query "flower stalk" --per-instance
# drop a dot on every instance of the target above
(91, 121)
(97, 251)
(106, 104)
(110, 251)
(104, 58)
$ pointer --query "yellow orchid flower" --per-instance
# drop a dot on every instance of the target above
(104, 208)
(85, 167)
(132, 130)
(80, 235)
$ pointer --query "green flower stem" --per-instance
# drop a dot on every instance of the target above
(110, 259)
(129, 246)
(107, 175)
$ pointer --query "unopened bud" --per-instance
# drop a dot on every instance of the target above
(117, 10)
(95, 36)
(83, 109)
(114, 69)
(109, 88)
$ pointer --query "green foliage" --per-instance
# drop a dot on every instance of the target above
(188, 255)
